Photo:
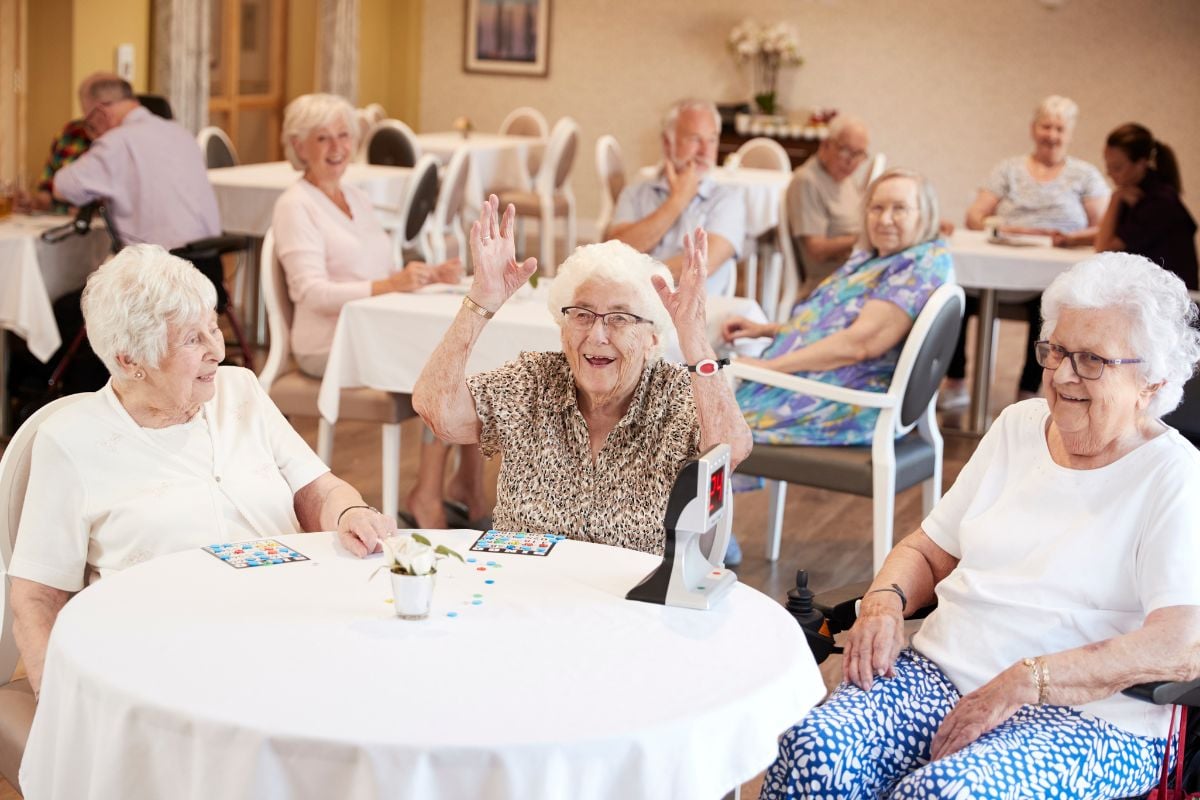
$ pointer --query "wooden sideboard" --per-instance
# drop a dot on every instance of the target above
(798, 150)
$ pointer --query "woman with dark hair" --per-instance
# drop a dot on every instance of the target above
(1145, 215)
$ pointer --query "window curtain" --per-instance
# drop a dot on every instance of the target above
(181, 53)
(337, 52)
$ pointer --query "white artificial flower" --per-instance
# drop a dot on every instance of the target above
(410, 555)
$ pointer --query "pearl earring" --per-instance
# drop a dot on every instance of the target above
(139, 375)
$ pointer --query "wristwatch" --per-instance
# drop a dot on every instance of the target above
(708, 366)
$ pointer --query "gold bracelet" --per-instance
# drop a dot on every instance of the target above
(476, 308)
(1037, 669)
(1045, 692)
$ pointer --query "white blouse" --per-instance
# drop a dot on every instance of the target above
(105, 493)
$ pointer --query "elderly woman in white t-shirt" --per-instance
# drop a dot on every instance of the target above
(333, 250)
(1064, 566)
(173, 453)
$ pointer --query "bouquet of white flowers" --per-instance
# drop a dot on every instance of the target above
(767, 49)
(414, 554)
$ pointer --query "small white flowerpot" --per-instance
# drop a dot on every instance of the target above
(412, 594)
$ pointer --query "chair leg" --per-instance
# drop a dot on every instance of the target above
(238, 333)
(884, 507)
(391, 469)
(572, 236)
(776, 495)
(519, 236)
(325, 441)
(546, 236)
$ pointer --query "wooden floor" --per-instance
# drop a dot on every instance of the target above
(826, 533)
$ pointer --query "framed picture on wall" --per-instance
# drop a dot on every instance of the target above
(507, 37)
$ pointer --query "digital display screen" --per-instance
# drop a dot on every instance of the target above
(716, 491)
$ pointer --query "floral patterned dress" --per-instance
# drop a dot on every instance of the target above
(905, 279)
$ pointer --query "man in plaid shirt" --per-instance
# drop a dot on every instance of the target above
(70, 145)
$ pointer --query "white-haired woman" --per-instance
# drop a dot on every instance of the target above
(850, 329)
(334, 250)
(594, 436)
(1046, 192)
(1063, 563)
(173, 453)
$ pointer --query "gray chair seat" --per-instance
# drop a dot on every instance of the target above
(840, 469)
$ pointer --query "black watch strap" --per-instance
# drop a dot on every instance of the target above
(708, 366)
(894, 588)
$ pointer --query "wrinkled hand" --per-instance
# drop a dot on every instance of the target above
(362, 530)
(946, 227)
(686, 303)
(448, 271)
(874, 641)
(414, 275)
(683, 183)
(493, 251)
(983, 709)
(742, 328)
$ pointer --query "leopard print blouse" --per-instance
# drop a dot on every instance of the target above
(548, 481)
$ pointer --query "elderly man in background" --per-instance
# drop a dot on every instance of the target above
(149, 169)
(825, 202)
(72, 142)
(653, 216)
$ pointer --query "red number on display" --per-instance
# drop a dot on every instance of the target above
(716, 491)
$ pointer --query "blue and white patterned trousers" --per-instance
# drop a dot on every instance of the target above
(875, 744)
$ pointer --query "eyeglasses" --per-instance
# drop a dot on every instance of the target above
(614, 321)
(850, 154)
(1088, 366)
(899, 210)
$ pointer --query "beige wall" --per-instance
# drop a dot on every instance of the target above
(389, 59)
(300, 46)
(98, 28)
(947, 86)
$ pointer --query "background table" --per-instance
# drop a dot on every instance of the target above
(184, 678)
(980, 264)
(33, 274)
(497, 161)
(246, 194)
(384, 342)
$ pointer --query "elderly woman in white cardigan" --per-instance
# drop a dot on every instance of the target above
(174, 452)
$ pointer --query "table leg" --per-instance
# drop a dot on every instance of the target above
(981, 384)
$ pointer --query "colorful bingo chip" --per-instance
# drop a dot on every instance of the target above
(521, 544)
(259, 553)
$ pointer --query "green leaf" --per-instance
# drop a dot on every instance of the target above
(421, 538)
(442, 550)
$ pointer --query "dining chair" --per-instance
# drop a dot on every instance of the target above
(527, 121)
(391, 143)
(611, 169)
(17, 703)
(784, 271)
(906, 445)
(295, 393)
(878, 165)
(758, 153)
(447, 219)
(374, 113)
(218, 150)
(157, 105)
(416, 207)
(551, 197)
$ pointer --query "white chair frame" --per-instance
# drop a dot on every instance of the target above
(396, 125)
(545, 185)
(445, 218)
(779, 161)
(526, 112)
(887, 429)
(608, 162)
(421, 239)
(213, 132)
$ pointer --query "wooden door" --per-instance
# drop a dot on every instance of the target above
(12, 93)
(246, 75)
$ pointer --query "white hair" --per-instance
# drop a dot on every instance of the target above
(1058, 106)
(844, 122)
(129, 303)
(615, 262)
(688, 104)
(1161, 315)
(310, 111)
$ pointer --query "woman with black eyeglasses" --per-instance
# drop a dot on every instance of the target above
(593, 436)
(1063, 564)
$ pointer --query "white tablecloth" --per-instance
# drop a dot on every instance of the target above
(33, 274)
(761, 189)
(185, 678)
(384, 342)
(246, 194)
(497, 161)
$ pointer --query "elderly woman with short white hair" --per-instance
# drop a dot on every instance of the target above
(594, 436)
(174, 452)
(1063, 564)
(333, 250)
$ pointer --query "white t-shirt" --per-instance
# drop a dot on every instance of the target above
(820, 206)
(329, 259)
(1053, 558)
(105, 493)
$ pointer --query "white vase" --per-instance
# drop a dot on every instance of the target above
(412, 594)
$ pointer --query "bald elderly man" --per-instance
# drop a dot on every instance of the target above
(825, 201)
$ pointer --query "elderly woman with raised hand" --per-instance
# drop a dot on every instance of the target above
(850, 330)
(334, 250)
(1047, 193)
(592, 437)
(1063, 562)
(173, 453)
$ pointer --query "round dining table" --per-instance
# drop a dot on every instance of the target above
(532, 677)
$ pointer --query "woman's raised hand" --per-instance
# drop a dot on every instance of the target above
(686, 303)
(493, 251)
